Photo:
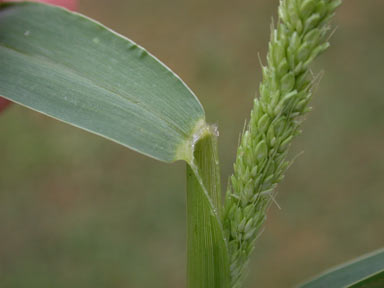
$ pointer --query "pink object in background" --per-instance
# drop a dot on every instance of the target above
(69, 4)
(3, 104)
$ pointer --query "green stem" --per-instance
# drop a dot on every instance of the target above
(207, 253)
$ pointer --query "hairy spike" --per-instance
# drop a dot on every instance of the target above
(298, 38)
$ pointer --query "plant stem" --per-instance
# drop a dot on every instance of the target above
(207, 253)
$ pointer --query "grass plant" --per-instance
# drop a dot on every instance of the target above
(114, 88)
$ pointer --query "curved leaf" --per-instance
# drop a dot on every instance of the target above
(362, 271)
(372, 281)
(74, 69)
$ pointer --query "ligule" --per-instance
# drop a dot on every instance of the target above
(300, 36)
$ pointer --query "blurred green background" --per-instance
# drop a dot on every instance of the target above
(79, 211)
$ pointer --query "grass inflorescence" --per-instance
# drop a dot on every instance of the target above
(298, 38)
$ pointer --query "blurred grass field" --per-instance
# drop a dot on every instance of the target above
(79, 211)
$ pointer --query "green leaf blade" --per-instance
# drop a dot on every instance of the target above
(365, 271)
(71, 68)
(372, 281)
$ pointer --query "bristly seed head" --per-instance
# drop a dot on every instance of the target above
(300, 36)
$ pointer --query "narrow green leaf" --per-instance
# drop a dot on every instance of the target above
(207, 252)
(366, 271)
(74, 69)
(372, 281)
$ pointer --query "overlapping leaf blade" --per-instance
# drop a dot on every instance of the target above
(366, 271)
(74, 69)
